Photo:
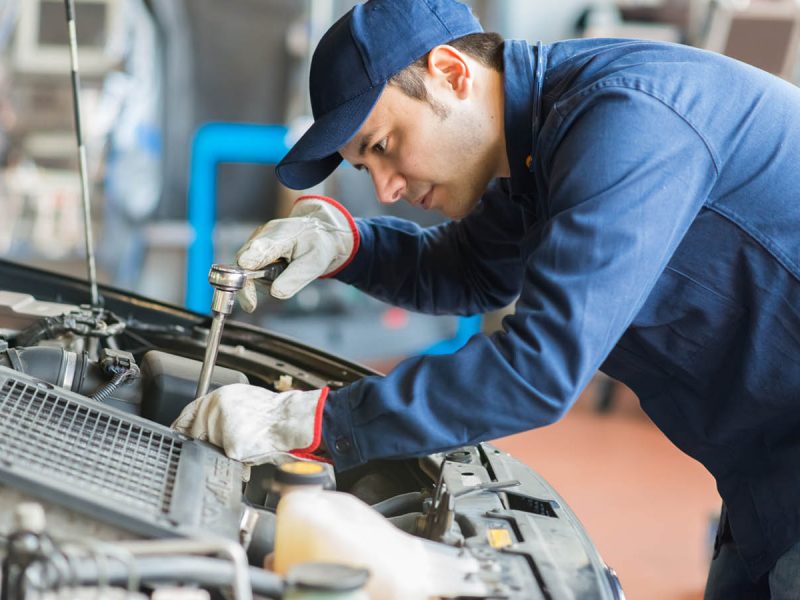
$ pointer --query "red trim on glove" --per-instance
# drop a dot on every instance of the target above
(308, 451)
(350, 221)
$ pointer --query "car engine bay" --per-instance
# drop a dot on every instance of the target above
(99, 495)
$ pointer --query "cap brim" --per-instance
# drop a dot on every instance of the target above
(315, 155)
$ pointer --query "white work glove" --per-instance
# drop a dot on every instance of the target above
(318, 239)
(254, 425)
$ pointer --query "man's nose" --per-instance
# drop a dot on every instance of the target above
(389, 185)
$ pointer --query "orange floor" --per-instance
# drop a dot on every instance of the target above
(647, 506)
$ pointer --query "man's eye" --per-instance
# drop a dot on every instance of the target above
(380, 147)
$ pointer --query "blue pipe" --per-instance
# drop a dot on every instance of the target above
(466, 328)
(216, 143)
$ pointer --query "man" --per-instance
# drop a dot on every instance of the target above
(640, 200)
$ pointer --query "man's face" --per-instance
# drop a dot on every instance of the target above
(432, 158)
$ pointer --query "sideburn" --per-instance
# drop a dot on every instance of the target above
(439, 109)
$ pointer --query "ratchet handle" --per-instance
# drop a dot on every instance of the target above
(271, 271)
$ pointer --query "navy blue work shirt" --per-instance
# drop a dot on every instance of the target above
(655, 236)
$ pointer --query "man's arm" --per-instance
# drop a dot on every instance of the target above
(627, 178)
(465, 267)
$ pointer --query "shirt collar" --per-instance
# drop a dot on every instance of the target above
(522, 95)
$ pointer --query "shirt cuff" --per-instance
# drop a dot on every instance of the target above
(337, 431)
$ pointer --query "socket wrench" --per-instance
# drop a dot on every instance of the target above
(226, 281)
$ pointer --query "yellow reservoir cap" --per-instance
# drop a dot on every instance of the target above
(498, 538)
(302, 467)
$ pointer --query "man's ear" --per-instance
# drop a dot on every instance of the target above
(451, 68)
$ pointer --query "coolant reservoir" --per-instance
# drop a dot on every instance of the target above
(326, 526)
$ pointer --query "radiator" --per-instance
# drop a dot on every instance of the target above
(111, 466)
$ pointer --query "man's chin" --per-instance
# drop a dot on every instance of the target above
(458, 213)
(455, 216)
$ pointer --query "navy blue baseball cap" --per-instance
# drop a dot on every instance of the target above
(351, 66)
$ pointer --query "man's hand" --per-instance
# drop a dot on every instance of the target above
(319, 238)
(254, 425)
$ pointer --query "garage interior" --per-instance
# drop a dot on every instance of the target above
(160, 77)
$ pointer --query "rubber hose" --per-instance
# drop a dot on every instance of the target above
(401, 504)
(202, 570)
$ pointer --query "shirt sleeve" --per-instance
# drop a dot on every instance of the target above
(461, 267)
(627, 175)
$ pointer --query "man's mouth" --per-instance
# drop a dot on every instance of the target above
(425, 201)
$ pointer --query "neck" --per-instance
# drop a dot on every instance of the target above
(488, 119)
(496, 105)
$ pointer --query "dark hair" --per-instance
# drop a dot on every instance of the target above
(486, 48)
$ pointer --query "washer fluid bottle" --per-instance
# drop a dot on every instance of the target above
(298, 474)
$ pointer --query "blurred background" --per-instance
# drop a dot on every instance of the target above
(187, 104)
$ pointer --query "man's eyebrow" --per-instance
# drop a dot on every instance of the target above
(365, 142)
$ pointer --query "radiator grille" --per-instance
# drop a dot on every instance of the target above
(113, 460)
